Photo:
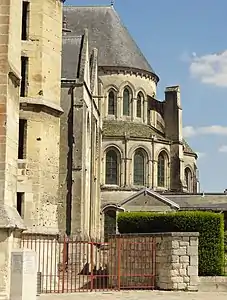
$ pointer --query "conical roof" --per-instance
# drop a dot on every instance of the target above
(106, 32)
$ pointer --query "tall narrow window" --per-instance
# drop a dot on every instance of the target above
(25, 13)
(22, 139)
(111, 167)
(109, 224)
(111, 103)
(188, 179)
(139, 105)
(24, 76)
(139, 166)
(126, 102)
(20, 204)
(161, 170)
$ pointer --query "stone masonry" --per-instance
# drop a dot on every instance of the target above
(177, 261)
(171, 257)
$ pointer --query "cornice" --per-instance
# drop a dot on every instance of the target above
(46, 105)
(108, 70)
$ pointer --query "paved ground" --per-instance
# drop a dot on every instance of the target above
(136, 295)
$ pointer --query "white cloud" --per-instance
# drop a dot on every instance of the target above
(210, 68)
(190, 131)
(223, 149)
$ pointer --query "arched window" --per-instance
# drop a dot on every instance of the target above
(126, 102)
(111, 103)
(188, 179)
(161, 169)
(111, 167)
(139, 105)
(109, 223)
(139, 168)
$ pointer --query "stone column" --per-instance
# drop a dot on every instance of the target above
(9, 238)
(145, 111)
(134, 105)
(177, 261)
(119, 107)
(23, 275)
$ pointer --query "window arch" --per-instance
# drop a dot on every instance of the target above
(139, 168)
(112, 102)
(126, 102)
(188, 179)
(110, 217)
(112, 167)
(139, 105)
(162, 161)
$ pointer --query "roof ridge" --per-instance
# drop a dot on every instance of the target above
(73, 6)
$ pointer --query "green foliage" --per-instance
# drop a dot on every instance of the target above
(225, 241)
(209, 225)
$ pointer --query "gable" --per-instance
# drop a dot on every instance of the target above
(148, 200)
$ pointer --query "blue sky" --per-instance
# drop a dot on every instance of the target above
(185, 43)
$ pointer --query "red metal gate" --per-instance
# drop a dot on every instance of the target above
(68, 265)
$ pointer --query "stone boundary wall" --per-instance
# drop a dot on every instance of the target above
(174, 261)
(177, 261)
(213, 284)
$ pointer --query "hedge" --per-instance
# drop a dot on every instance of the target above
(210, 226)
(225, 241)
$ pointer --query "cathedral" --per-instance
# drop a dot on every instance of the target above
(82, 133)
(124, 138)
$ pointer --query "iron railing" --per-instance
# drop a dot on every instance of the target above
(72, 264)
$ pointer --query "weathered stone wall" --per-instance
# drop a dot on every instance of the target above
(80, 143)
(9, 240)
(171, 257)
(177, 261)
(151, 149)
(137, 84)
(39, 177)
(9, 97)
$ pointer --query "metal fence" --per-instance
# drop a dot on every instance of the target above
(72, 264)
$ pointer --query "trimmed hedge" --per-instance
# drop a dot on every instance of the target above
(210, 226)
(225, 241)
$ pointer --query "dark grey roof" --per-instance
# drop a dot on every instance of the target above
(119, 128)
(200, 201)
(106, 32)
(71, 47)
(187, 148)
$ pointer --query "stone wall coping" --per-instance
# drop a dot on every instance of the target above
(41, 102)
(173, 234)
(10, 218)
(38, 230)
(210, 279)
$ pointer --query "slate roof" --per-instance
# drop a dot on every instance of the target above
(187, 148)
(71, 46)
(106, 32)
(200, 201)
(118, 129)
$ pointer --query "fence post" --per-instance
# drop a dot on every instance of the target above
(118, 262)
(154, 261)
(64, 262)
(92, 266)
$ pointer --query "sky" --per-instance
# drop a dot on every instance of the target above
(185, 43)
